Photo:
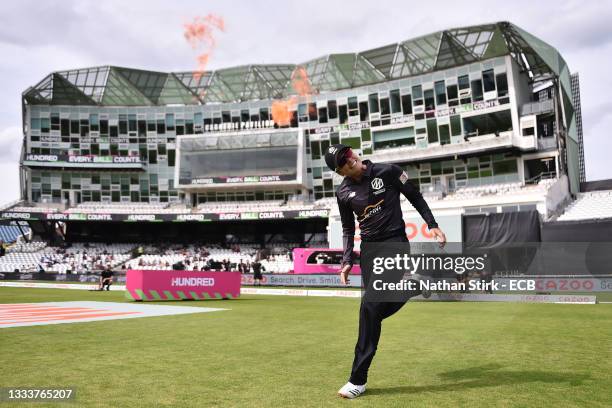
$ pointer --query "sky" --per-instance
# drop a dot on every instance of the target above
(40, 37)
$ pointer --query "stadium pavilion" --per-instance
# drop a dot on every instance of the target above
(483, 119)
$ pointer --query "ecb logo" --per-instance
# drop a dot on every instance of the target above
(332, 150)
(377, 183)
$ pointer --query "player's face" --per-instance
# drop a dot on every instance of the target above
(352, 167)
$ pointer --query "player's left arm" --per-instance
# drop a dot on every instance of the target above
(405, 186)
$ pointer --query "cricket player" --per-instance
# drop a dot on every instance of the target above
(371, 191)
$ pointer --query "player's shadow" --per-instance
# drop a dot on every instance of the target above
(490, 375)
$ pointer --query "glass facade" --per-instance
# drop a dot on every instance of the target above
(432, 92)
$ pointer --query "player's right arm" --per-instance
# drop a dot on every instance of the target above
(347, 219)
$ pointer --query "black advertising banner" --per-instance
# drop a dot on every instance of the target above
(239, 179)
(203, 217)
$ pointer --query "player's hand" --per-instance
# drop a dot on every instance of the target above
(344, 274)
(439, 236)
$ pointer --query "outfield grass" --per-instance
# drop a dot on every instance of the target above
(292, 351)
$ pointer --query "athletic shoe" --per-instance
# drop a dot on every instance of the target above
(351, 391)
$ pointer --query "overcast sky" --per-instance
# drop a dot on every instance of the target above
(39, 37)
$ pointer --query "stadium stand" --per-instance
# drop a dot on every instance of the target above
(590, 205)
(10, 233)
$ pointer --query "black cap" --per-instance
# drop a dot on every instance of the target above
(333, 156)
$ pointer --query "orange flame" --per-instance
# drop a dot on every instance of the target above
(281, 109)
(300, 82)
(201, 30)
(200, 34)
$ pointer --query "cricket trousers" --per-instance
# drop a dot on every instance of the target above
(371, 315)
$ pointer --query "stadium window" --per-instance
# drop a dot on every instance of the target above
(34, 123)
(505, 167)
(530, 131)
(312, 112)
(477, 90)
(455, 122)
(55, 121)
(334, 137)
(314, 150)
(464, 82)
(95, 149)
(343, 111)
(432, 131)
(429, 100)
(324, 145)
(440, 93)
(366, 135)
(502, 84)
(264, 114)
(244, 115)
(363, 111)
(188, 127)
(451, 92)
(161, 127)
(226, 117)
(122, 124)
(75, 127)
(406, 104)
(151, 127)
(323, 115)
(444, 134)
(169, 121)
(302, 112)
(373, 102)
(142, 128)
(65, 127)
(385, 109)
(488, 80)
(332, 109)
(84, 127)
(161, 148)
(396, 105)
(417, 92)
(353, 108)
(171, 157)
(131, 123)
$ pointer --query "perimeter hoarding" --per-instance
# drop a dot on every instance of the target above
(179, 285)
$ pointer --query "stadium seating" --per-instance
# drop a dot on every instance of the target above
(10, 233)
(78, 258)
(594, 204)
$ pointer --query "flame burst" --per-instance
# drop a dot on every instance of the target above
(282, 109)
(200, 34)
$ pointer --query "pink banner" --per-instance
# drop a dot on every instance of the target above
(177, 285)
(319, 260)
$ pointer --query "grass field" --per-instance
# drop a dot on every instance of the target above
(291, 351)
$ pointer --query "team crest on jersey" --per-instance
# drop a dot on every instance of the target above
(352, 194)
(403, 177)
(378, 185)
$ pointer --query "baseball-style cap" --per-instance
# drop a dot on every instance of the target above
(337, 155)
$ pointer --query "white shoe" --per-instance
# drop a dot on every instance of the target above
(351, 391)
